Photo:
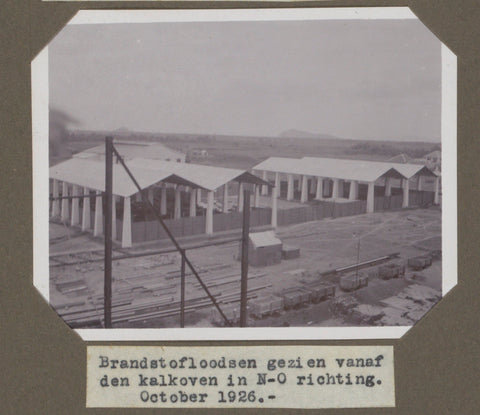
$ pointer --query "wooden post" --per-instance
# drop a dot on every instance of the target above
(436, 197)
(55, 202)
(193, 202)
(406, 190)
(65, 206)
(86, 210)
(108, 231)
(127, 223)
(98, 223)
(264, 187)
(319, 192)
(353, 193)
(163, 200)
(240, 196)
(209, 217)
(335, 189)
(178, 202)
(245, 243)
(340, 189)
(182, 287)
(304, 195)
(289, 187)
(371, 197)
(114, 217)
(225, 198)
(274, 200)
(75, 218)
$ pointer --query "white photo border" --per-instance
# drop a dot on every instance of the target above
(40, 148)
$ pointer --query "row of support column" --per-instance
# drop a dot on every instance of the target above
(177, 199)
(62, 208)
(98, 218)
(337, 189)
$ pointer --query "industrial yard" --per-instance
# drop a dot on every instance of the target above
(341, 276)
(332, 241)
(245, 189)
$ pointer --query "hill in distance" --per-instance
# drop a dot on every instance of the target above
(294, 133)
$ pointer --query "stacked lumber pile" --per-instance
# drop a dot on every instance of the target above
(74, 286)
(353, 282)
(420, 262)
(148, 296)
(320, 291)
(265, 306)
(294, 297)
(389, 271)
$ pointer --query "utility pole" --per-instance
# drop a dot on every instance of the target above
(358, 257)
(245, 244)
(108, 232)
(182, 290)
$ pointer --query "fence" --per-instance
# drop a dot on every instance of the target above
(320, 211)
(420, 198)
(416, 198)
(388, 202)
(227, 221)
(143, 231)
(151, 230)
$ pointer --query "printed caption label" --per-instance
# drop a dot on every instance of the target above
(248, 376)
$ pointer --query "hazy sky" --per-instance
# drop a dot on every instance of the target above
(353, 79)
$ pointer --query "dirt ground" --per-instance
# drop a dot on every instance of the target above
(324, 245)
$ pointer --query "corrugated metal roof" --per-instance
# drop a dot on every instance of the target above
(261, 239)
(91, 174)
(207, 177)
(410, 170)
(344, 169)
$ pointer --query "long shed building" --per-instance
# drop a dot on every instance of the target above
(335, 179)
(187, 195)
(82, 176)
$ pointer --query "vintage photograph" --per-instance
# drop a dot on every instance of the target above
(254, 173)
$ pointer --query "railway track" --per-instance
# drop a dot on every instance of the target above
(78, 257)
